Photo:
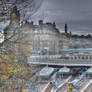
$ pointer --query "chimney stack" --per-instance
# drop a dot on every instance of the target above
(54, 25)
(40, 22)
(66, 28)
(32, 23)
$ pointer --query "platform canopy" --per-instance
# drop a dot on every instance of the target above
(64, 70)
(89, 71)
(46, 72)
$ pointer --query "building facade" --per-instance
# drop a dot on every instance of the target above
(77, 41)
(44, 38)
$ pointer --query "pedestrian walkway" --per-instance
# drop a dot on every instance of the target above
(61, 85)
(86, 86)
(59, 62)
(47, 88)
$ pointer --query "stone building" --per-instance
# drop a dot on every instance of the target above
(44, 38)
(77, 41)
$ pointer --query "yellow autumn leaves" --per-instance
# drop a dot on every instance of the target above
(4, 58)
(10, 69)
(8, 65)
(7, 58)
(14, 70)
(4, 77)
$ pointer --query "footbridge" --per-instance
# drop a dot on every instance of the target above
(60, 62)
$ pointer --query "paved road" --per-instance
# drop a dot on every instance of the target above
(47, 88)
(63, 84)
(32, 85)
(59, 84)
(82, 83)
(87, 87)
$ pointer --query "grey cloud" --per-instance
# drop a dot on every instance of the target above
(77, 13)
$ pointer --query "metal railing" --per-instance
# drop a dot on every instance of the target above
(53, 61)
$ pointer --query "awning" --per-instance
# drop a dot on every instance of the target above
(64, 70)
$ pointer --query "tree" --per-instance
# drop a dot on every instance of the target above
(13, 51)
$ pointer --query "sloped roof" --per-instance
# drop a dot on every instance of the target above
(64, 70)
(47, 71)
(89, 70)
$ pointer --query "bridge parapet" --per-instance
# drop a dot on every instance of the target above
(68, 62)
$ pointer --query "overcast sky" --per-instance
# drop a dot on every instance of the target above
(76, 13)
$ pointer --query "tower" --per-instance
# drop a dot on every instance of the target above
(40, 22)
(14, 16)
(66, 28)
(54, 25)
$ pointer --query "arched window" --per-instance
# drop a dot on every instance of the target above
(90, 57)
(79, 57)
(82, 57)
(71, 58)
(75, 57)
(86, 57)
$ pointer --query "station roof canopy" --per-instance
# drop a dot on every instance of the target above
(47, 71)
(64, 70)
(80, 50)
(89, 71)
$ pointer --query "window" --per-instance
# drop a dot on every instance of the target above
(82, 57)
(79, 57)
(75, 57)
(86, 57)
(71, 58)
(90, 57)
